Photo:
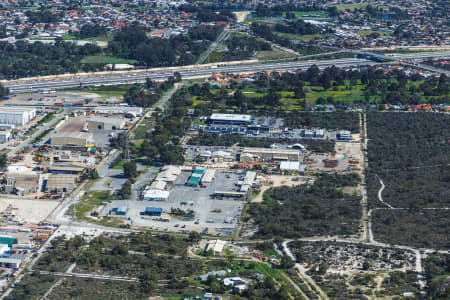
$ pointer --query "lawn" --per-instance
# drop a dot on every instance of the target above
(305, 37)
(104, 59)
(369, 32)
(342, 94)
(307, 14)
(90, 200)
(69, 37)
(345, 96)
(118, 164)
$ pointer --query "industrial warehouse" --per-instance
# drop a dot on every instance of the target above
(16, 116)
(269, 127)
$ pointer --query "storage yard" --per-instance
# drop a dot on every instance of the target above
(219, 215)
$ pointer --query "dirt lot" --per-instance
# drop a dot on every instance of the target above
(29, 211)
(241, 15)
(276, 181)
(49, 99)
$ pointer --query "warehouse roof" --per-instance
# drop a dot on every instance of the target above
(153, 209)
(193, 180)
(230, 117)
(157, 194)
(60, 181)
(9, 240)
(209, 175)
(217, 246)
(271, 151)
(250, 178)
(199, 171)
(290, 165)
(118, 122)
(158, 185)
(172, 169)
(118, 109)
(17, 110)
(67, 167)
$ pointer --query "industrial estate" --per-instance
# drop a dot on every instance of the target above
(233, 150)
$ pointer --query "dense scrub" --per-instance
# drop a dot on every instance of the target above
(410, 152)
(332, 120)
(418, 228)
(320, 209)
(437, 268)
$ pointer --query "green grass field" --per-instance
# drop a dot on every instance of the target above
(69, 37)
(354, 6)
(369, 32)
(305, 14)
(305, 37)
(343, 94)
(101, 59)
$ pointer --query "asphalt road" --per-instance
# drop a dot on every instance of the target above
(195, 71)
(186, 72)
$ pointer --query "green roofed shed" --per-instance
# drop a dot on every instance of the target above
(8, 240)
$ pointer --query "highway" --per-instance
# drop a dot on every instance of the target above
(193, 71)
(186, 72)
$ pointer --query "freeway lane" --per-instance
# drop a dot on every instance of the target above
(191, 72)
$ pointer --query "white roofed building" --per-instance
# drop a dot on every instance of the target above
(290, 166)
(156, 195)
(230, 119)
(158, 185)
(16, 116)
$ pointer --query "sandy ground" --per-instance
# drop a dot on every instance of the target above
(278, 180)
(241, 15)
(352, 150)
(29, 211)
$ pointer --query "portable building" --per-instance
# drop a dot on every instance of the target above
(153, 211)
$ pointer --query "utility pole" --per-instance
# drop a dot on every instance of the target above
(126, 147)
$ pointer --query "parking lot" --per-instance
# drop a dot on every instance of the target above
(52, 98)
(218, 216)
